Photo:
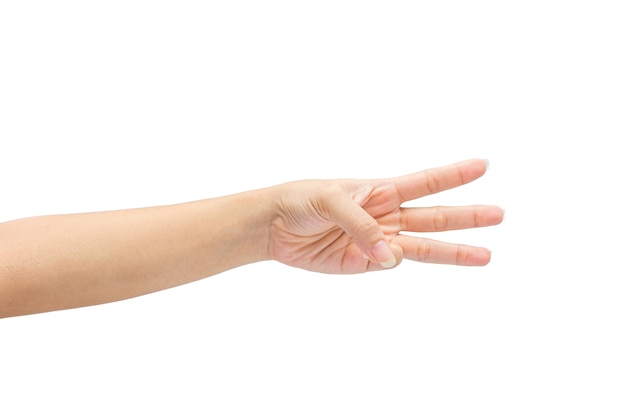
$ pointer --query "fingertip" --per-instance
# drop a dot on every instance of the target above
(382, 253)
(477, 257)
(397, 252)
(397, 257)
(390, 263)
(472, 169)
(493, 215)
(484, 258)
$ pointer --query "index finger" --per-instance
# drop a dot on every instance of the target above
(434, 180)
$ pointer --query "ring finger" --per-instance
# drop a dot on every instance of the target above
(434, 251)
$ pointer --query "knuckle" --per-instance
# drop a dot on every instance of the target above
(432, 182)
(365, 227)
(478, 218)
(423, 251)
(462, 255)
(440, 220)
(461, 175)
(325, 197)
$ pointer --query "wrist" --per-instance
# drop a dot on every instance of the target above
(254, 215)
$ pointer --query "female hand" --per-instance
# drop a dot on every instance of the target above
(339, 226)
(352, 226)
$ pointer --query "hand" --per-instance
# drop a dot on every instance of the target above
(352, 226)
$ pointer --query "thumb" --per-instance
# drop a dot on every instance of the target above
(364, 230)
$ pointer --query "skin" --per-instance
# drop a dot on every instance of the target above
(332, 226)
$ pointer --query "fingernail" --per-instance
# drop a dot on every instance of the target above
(487, 164)
(383, 254)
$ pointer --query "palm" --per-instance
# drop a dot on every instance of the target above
(306, 238)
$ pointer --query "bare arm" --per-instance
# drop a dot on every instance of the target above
(332, 226)
(65, 261)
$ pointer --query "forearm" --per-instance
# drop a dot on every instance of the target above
(58, 262)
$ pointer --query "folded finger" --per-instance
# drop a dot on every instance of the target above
(438, 219)
(362, 227)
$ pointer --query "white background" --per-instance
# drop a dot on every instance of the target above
(119, 104)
